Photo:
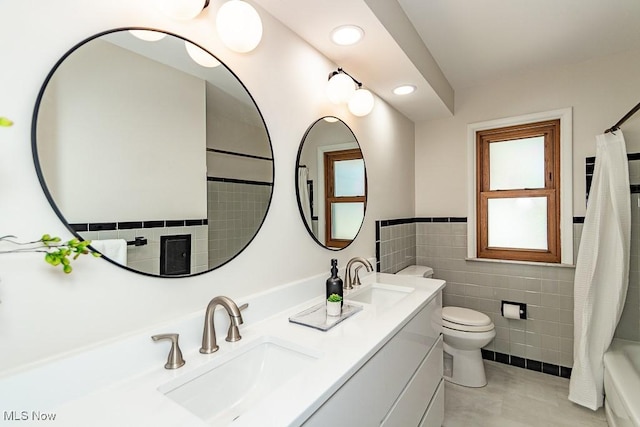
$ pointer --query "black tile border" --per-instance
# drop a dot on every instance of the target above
(530, 364)
(129, 225)
(590, 163)
(400, 221)
(390, 222)
(239, 181)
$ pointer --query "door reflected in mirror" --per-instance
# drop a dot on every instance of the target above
(154, 145)
(331, 183)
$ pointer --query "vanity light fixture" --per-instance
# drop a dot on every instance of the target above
(239, 26)
(201, 56)
(148, 36)
(342, 88)
(404, 90)
(347, 35)
(238, 23)
(182, 9)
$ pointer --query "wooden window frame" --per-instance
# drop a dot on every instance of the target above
(550, 130)
(330, 157)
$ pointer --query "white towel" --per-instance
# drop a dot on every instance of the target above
(114, 249)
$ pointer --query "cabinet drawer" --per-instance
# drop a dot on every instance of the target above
(367, 397)
(434, 417)
(410, 407)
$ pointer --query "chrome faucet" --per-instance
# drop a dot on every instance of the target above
(348, 284)
(209, 344)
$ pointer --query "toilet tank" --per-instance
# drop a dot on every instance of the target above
(417, 270)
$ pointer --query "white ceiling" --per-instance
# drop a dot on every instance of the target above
(446, 45)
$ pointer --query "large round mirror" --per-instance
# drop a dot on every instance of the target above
(331, 183)
(155, 151)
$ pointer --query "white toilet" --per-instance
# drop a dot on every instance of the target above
(465, 332)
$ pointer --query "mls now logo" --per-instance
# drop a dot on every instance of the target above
(26, 416)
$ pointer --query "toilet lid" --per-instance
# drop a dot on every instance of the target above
(465, 319)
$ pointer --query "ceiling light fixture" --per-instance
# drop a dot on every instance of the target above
(182, 9)
(347, 35)
(404, 90)
(342, 88)
(201, 56)
(239, 26)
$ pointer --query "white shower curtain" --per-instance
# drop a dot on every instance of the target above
(303, 192)
(602, 269)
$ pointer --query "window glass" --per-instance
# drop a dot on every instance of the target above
(349, 178)
(517, 164)
(346, 220)
(518, 223)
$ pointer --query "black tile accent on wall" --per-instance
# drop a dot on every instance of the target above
(458, 219)
(378, 232)
(103, 226)
(565, 372)
(175, 223)
(534, 365)
(399, 221)
(520, 362)
(502, 358)
(551, 369)
(79, 227)
(153, 224)
(578, 220)
(488, 354)
(238, 181)
(129, 225)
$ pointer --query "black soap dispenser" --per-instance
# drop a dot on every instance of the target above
(334, 283)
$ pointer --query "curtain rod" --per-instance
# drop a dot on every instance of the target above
(624, 119)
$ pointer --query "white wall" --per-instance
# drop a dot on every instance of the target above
(45, 313)
(103, 116)
(600, 91)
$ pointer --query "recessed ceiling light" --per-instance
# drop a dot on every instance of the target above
(347, 35)
(404, 90)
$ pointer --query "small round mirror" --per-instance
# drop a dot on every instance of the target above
(331, 182)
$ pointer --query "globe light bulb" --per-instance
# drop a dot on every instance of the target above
(147, 35)
(239, 26)
(340, 88)
(361, 103)
(201, 56)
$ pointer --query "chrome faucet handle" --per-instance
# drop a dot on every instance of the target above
(357, 278)
(175, 360)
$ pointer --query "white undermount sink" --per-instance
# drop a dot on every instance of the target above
(218, 395)
(380, 295)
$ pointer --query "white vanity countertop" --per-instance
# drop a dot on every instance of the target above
(135, 399)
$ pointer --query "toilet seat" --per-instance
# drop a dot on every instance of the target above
(464, 319)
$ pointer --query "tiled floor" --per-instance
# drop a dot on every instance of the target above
(516, 397)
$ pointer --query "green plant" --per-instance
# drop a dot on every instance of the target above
(334, 298)
(56, 252)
